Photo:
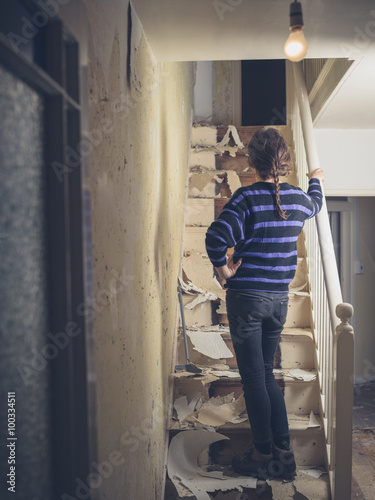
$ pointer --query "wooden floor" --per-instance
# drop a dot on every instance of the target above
(363, 483)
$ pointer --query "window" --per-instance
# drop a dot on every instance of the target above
(44, 355)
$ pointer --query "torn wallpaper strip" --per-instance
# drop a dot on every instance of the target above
(211, 328)
(198, 269)
(223, 146)
(215, 415)
(191, 289)
(317, 473)
(226, 373)
(183, 408)
(299, 374)
(190, 479)
(233, 181)
(210, 344)
(313, 421)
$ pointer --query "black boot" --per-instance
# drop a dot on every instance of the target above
(283, 464)
(252, 463)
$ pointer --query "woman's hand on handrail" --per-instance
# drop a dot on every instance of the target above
(318, 173)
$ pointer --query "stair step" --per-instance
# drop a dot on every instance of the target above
(199, 212)
(194, 239)
(201, 158)
(215, 183)
(203, 136)
(238, 163)
(303, 485)
(199, 315)
(308, 443)
(299, 311)
(297, 348)
(301, 397)
(204, 184)
(300, 280)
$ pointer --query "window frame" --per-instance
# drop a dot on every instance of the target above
(58, 82)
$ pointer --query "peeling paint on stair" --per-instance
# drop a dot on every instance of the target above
(233, 181)
(223, 146)
(220, 410)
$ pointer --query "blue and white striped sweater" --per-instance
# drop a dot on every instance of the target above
(266, 243)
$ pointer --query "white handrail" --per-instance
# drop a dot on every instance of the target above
(331, 275)
(334, 340)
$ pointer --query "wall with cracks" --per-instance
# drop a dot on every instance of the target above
(140, 115)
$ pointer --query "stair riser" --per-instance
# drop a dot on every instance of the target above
(296, 353)
(200, 314)
(293, 352)
(299, 312)
(202, 159)
(300, 397)
(299, 308)
(308, 447)
(199, 212)
(203, 136)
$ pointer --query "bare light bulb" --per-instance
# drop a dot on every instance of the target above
(295, 47)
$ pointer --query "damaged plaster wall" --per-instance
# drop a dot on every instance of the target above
(138, 171)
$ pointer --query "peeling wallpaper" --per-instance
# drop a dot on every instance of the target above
(138, 174)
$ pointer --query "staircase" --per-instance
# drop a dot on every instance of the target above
(215, 173)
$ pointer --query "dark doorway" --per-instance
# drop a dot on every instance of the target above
(263, 92)
(43, 392)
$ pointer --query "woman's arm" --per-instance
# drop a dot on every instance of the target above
(229, 269)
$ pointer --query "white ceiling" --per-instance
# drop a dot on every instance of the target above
(198, 30)
(353, 103)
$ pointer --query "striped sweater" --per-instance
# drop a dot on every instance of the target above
(266, 243)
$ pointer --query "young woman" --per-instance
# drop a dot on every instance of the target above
(262, 222)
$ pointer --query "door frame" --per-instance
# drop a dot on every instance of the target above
(73, 399)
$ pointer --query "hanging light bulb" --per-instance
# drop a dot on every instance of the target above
(295, 47)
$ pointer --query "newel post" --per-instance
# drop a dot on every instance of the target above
(344, 340)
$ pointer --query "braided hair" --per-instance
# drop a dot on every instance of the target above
(269, 155)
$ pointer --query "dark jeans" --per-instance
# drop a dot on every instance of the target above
(256, 320)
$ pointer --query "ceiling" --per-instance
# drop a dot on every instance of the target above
(206, 30)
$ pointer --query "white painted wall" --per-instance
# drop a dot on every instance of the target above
(365, 292)
(203, 97)
(347, 157)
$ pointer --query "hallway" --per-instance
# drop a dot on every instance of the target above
(97, 208)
